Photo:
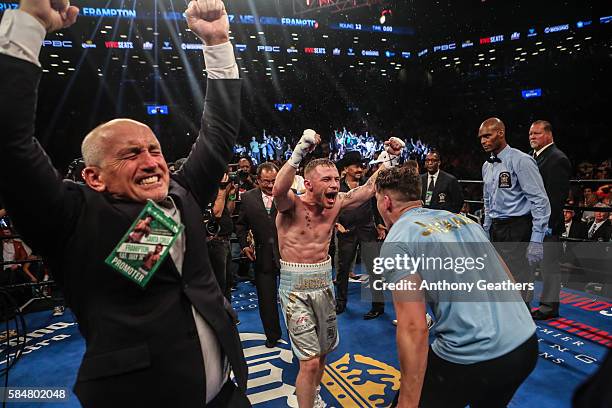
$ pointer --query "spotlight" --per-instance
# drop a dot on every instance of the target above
(385, 16)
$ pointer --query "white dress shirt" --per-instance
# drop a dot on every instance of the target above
(568, 226)
(539, 152)
(594, 228)
(435, 178)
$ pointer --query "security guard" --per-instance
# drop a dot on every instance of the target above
(515, 203)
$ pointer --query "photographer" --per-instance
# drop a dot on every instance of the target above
(244, 175)
(219, 230)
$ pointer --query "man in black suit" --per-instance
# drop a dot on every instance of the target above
(600, 229)
(555, 169)
(168, 341)
(441, 190)
(258, 214)
(573, 226)
(357, 228)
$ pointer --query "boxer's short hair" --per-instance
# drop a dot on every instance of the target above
(313, 164)
(404, 182)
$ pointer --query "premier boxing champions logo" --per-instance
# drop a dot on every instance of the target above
(353, 380)
(361, 381)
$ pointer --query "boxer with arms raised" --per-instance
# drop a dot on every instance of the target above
(305, 225)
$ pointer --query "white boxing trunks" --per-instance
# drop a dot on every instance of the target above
(307, 299)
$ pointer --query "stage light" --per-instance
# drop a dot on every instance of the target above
(385, 16)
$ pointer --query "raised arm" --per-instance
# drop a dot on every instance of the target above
(31, 189)
(357, 196)
(283, 196)
(213, 149)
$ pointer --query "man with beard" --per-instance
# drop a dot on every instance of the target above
(358, 227)
(305, 225)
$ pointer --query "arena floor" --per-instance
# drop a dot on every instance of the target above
(362, 372)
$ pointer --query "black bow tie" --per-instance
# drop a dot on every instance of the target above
(494, 159)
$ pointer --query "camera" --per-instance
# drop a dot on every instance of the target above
(238, 176)
(210, 223)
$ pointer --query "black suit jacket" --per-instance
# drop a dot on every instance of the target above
(142, 347)
(578, 229)
(447, 194)
(555, 169)
(253, 216)
(603, 233)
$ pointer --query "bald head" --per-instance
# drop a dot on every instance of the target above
(95, 145)
(492, 135)
(123, 157)
(494, 123)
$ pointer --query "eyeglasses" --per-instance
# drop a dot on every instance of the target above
(267, 182)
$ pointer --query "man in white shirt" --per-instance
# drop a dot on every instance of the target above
(601, 228)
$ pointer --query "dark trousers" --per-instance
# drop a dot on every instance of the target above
(221, 259)
(551, 275)
(488, 384)
(229, 396)
(346, 250)
(266, 282)
(511, 237)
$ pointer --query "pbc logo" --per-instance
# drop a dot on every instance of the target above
(57, 44)
(268, 48)
(445, 47)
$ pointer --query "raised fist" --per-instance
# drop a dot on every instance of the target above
(394, 146)
(52, 14)
(208, 20)
(309, 140)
